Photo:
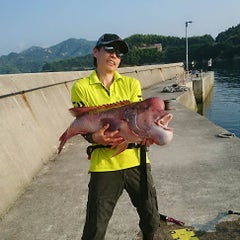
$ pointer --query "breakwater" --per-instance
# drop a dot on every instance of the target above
(33, 109)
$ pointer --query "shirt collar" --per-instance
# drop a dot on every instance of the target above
(95, 80)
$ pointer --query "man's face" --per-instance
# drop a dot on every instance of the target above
(107, 60)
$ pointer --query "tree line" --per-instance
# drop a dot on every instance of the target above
(226, 46)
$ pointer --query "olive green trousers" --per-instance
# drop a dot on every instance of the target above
(105, 188)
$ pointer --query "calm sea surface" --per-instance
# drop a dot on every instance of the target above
(223, 105)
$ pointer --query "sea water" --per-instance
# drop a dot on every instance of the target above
(223, 105)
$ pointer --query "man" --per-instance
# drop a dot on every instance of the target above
(111, 175)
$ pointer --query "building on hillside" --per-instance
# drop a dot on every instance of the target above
(158, 46)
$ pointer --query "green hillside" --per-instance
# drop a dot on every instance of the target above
(145, 49)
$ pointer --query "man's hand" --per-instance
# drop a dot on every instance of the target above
(103, 137)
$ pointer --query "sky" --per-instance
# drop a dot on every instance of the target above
(45, 23)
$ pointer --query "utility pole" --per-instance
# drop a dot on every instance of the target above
(186, 35)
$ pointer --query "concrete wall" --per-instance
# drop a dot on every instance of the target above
(188, 98)
(202, 85)
(153, 74)
(33, 114)
(199, 89)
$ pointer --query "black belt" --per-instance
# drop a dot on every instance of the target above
(143, 165)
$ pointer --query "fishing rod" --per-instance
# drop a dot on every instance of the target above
(178, 222)
(170, 219)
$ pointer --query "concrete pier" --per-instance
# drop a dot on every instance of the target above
(202, 84)
(33, 114)
(196, 176)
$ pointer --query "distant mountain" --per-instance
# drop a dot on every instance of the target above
(76, 54)
(32, 59)
(144, 51)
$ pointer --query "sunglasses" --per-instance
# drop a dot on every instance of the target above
(110, 49)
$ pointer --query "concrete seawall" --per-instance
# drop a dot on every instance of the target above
(33, 110)
(202, 85)
(196, 178)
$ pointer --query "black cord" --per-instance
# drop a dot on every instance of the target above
(143, 166)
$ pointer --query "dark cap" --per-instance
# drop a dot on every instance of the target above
(114, 40)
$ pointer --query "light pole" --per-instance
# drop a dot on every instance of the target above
(186, 35)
